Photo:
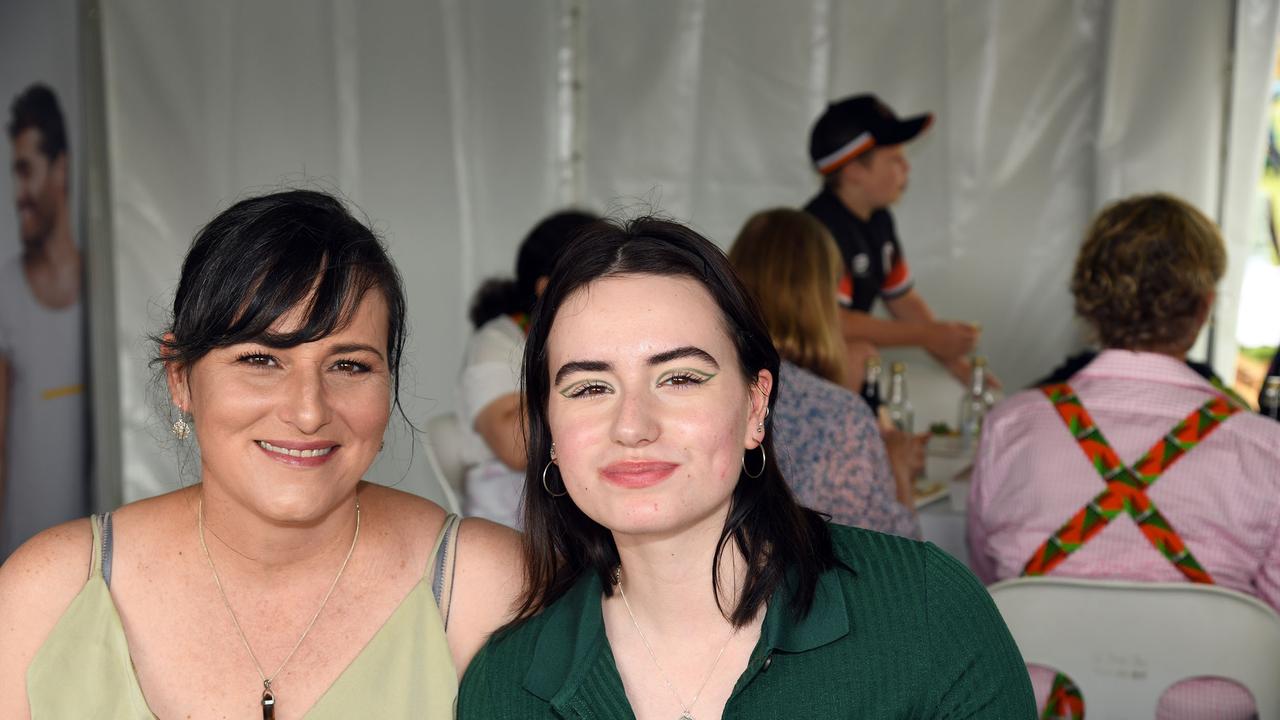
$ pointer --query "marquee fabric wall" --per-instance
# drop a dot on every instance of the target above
(455, 125)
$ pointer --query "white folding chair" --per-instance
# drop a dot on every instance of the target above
(444, 452)
(1125, 643)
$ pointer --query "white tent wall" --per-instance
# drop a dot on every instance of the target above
(455, 125)
(209, 102)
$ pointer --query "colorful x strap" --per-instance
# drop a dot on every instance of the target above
(1065, 701)
(1126, 487)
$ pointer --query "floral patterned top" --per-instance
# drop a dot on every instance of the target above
(830, 451)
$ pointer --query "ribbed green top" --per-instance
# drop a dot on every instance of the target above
(909, 633)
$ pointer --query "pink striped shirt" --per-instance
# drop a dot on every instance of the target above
(1222, 497)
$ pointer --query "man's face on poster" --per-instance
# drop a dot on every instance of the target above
(39, 188)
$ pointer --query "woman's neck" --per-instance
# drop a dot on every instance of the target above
(668, 581)
(240, 538)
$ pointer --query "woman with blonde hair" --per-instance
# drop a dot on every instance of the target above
(831, 450)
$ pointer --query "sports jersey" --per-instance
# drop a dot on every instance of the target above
(873, 262)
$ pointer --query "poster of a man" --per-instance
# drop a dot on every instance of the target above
(43, 414)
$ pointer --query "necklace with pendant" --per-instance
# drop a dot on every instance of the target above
(686, 711)
(268, 695)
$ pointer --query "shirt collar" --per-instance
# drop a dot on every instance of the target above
(1136, 365)
(572, 638)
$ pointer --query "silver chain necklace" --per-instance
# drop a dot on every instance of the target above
(268, 695)
(686, 710)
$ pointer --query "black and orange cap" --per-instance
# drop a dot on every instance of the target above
(854, 125)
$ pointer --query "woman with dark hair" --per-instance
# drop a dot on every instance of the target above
(489, 401)
(832, 450)
(281, 583)
(670, 571)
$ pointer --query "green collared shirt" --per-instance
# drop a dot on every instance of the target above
(909, 633)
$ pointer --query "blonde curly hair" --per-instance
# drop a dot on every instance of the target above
(1146, 273)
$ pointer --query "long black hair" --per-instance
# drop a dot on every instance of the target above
(266, 255)
(537, 255)
(778, 538)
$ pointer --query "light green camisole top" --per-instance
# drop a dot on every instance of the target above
(406, 671)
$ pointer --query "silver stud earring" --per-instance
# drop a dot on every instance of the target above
(181, 428)
(553, 451)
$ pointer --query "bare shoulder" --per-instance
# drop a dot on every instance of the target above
(415, 518)
(488, 577)
(37, 583)
(490, 565)
(488, 544)
(46, 572)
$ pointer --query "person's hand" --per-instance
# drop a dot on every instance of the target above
(906, 460)
(950, 340)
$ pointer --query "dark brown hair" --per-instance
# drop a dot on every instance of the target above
(1147, 269)
(265, 255)
(780, 540)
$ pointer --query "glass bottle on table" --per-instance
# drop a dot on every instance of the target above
(1270, 400)
(871, 385)
(901, 413)
(975, 403)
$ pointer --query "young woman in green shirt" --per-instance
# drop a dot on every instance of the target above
(670, 573)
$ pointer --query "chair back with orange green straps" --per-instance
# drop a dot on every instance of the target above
(1125, 493)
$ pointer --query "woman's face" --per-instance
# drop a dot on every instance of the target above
(288, 432)
(648, 408)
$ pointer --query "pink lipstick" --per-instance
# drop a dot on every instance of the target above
(637, 474)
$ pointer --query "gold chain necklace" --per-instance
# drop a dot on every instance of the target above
(686, 711)
(268, 695)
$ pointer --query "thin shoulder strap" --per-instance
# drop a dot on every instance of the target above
(443, 564)
(100, 560)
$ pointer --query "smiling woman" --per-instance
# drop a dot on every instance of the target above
(257, 590)
(670, 572)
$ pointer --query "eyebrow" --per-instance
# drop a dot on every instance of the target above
(687, 351)
(355, 347)
(580, 366)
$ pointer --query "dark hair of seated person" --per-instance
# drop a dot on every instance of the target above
(268, 254)
(535, 258)
(781, 541)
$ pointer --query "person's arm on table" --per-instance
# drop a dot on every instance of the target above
(949, 342)
(499, 424)
(906, 459)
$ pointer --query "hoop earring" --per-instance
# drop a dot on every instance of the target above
(763, 461)
(181, 428)
(544, 482)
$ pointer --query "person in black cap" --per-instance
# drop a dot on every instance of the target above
(856, 145)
